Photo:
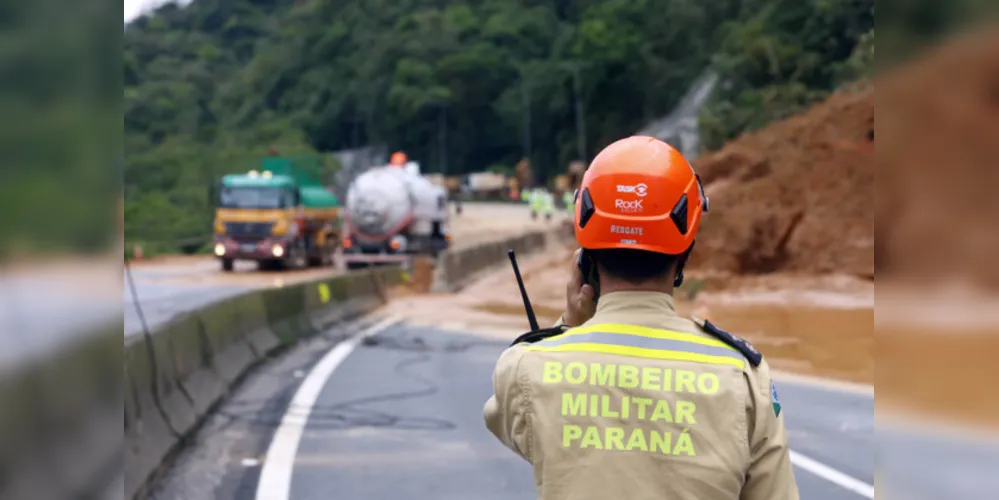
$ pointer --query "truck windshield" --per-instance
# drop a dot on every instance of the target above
(254, 197)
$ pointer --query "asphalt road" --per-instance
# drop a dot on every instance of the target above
(165, 290)
(401, 418)
(162, 294)
(38, 314)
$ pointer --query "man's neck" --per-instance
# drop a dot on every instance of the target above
(610, 286)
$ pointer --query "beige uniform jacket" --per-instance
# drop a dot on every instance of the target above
(639, 403)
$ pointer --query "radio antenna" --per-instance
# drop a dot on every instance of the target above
(523, 292)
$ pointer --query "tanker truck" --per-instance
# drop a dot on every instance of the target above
(391, 214)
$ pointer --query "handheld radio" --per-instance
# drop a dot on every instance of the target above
(531, 319)
(589, 272)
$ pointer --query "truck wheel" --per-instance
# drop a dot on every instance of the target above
(227, 265)
(319, 257)
(297, 257)
(302, 261)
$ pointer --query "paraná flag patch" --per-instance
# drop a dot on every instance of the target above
(774, 399)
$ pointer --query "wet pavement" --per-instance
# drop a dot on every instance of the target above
(172, 285)
(43, 308)
(402, 416)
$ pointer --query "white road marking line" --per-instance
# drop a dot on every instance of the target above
(275, 475)
(832, 475)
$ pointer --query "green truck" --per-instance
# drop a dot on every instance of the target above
(279, 215)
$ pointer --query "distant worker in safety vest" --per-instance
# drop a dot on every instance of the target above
(623, 398)
(536, 201)
(547, 204)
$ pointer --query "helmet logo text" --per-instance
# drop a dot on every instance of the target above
(629, 206)
(630, 230)
(640, 189)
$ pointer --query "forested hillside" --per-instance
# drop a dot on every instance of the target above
(210, 86)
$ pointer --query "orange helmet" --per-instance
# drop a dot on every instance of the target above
(398, 159)
(639, 193)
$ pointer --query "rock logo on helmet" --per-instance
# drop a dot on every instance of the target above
(629, 207)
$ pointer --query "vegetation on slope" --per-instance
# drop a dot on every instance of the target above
(210, 86)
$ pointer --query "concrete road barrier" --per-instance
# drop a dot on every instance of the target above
(59, 431)
(175, 377)
(455, 269)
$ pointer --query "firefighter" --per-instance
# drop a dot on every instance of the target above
(536, 201)
(624, 398)
(547, 204)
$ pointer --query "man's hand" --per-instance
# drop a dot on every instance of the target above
(579, 304)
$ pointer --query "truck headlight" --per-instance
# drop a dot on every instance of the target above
(219, 249)
(277, 251)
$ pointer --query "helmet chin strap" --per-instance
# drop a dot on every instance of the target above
(678, 280)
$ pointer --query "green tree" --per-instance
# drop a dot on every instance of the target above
(209, 86)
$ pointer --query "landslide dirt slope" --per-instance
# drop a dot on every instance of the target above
(796, 196)
(938, 210)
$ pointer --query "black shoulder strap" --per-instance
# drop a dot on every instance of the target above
(539, 335)
(742, 345)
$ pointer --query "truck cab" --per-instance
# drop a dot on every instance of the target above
(275, 219)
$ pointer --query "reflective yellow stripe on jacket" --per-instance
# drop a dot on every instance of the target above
(642, 342)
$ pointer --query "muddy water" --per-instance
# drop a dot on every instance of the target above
(835, 343)
(828, 334)
(944, 376)
(937, 355)
(944, 368)
(816, 340)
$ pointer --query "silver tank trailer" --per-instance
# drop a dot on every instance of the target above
(388, 203)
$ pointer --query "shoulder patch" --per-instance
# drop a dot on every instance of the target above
(774, 400)
(747, 349)
(539, 335)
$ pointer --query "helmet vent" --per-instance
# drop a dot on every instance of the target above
(679, 214)
(586, 208)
